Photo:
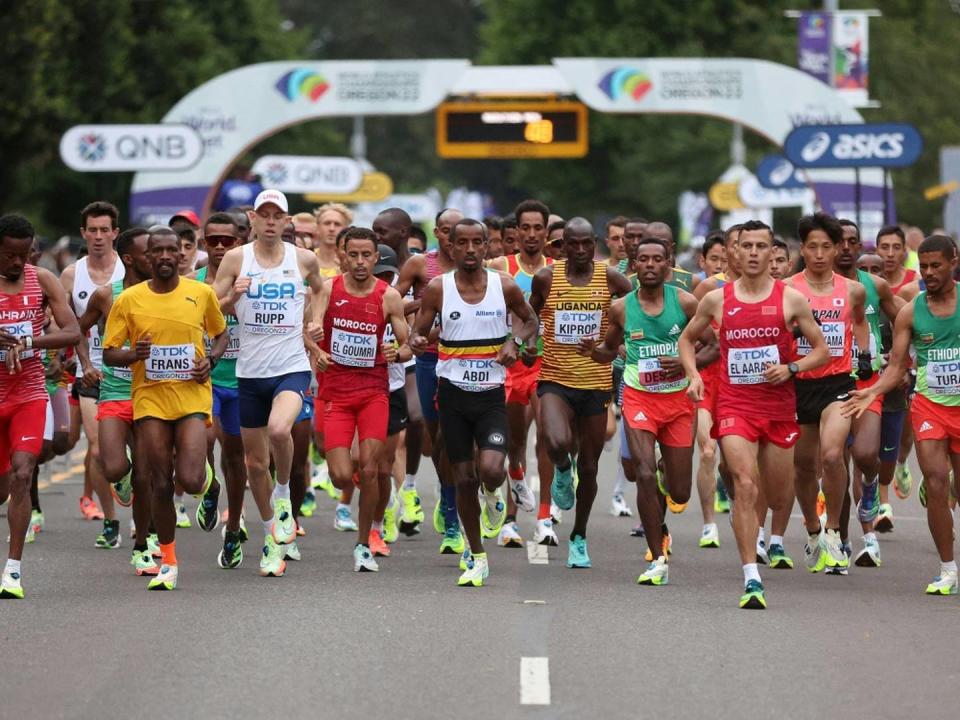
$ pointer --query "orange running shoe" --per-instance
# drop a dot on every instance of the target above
(300, 531)
(667, 548)
(821, 504)
(377, 546)
(89, 509)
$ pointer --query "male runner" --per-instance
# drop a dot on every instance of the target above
(355, 308)
(494, 225)
(511, 236)
(614, 240)
(221, 234)
(839, 306)
(755, 404)
(656, 407)
(521, 386)
(678, 277)
(101, 266)
(392, 227)
(713, 256)
(264, 284)
(331, 219)
(122, 467)
(572, 298)
(158, 327)
(779, 260)
(473, 304)
(931, 323)
(306, 230)
(25, 290)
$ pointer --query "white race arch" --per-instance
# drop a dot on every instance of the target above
(236, 110)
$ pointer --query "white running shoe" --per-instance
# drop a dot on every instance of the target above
(544, 534)
(477, 571)
(710, 536)
(363, 560)
(619, 507)
(944, 584)
(509, 536)
(762, 557)
(523, 496)
(183, 520)
(870, 555)
(492, 513)
(556, 514)
(343, 521)
(292, 552)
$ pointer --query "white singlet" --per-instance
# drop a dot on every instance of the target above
(83, 288)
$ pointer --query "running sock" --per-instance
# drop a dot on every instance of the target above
(776, 540)
(342, 505)
(178, 499)
(378, 526)
(13, 566)
(448, 502)
(618, 484)
(516, 473)
(267, 527)
(410, 482)
(544, 512)
(869, 537)
(761, 536)
(945, 567)
(750, 572)
(168, 553)
(281, 492)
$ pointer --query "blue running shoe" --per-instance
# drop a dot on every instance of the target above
(577, 556)
(561, 489)
(869, 506)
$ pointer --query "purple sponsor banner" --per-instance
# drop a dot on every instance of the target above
(813, 45)
(158, 206)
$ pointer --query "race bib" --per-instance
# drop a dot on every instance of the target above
(745, 366)
(170, 362)
(653, 377)
(353, 349)
(270, 317)
(943, 377)
(123, 373)
(233, 343)
(19, 330)
(571, 326)
(833, 333)
(476, 375)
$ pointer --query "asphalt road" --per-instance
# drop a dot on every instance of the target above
(90, 641)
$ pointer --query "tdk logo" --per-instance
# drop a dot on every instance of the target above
(272, 291)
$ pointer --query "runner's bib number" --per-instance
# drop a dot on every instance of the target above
(745, 366)
(269, 317)
(353, 349)
(19, 330)
(233, 343)
(170, 362)
(475, 375)
(943, 377)
(572, 326)
(655, 379)
(833, 332)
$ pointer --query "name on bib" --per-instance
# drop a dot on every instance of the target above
(833, 332)
(353, 349)
(745, 366)
(170, 362)
(572, 325)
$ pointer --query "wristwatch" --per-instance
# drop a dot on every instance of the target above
(28, 342)
(518, 341)
(793, 368)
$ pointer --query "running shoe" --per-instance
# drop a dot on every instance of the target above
(390, 530)
(143, 563)
(762, 557)
(89, 509)
(244, 535)
(377, 546)
(452, 543)
(884, 522)
(493, 510)
(813, 554)
(309, 505)
(710, 536)
(666, 548)
(411, 512)
(675, 507)
(343, 521)
(556, 514)
(292, 552)
(637, 530)
(922, 492)
(439, 524)
(122, 490)
(231, 555)
(522, 495)
(657, 573)
(153, 545)
(902, 481)
(31, 536)
(284, 524)
(208, 515)
(271, 559)
(577, 556)
(944, 584)
(561, 489)
(37, 521)
(477, 571)
(465, 557)
(544, 534)
(319, 474)
(870, 555)
(619, 507)
(835, 559)
(753, 597)
(721, 501)
(779, 560)
(326, 483)
(166, 579)
(109, 539)
(509, 536)
(363, 560)
(300, 531)
(869, 506)
(183, 520)
(10, 586)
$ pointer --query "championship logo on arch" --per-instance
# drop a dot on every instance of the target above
(625, 82)
(301, 82)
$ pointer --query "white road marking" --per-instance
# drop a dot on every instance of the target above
(537, 554)
(534, 681)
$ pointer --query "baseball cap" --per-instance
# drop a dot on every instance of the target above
(189, 215)
(271, 196)
(388, 261)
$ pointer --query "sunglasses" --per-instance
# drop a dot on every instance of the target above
(556, 243)
(222, 240)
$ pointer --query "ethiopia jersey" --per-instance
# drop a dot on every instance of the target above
(649, 337)
(937, 341)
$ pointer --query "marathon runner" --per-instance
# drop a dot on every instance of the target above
(264, 284)
(656, 407)
(931, 323)
(331, 219)
(678, 277)
(572, 298)
(101, 266)
(755, 418)
(474, 349)
(157, 327)
(355, 309)
(25, 290)
(120, 461)
(780, 260)
(839, 306)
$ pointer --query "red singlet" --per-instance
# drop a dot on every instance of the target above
(21, 314)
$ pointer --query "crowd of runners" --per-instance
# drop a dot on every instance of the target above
(325, 357)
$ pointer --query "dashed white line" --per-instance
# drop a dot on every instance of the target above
(537, 554)
(534, 681)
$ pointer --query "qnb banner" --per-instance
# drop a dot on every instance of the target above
(309, 174)
(127, 148)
